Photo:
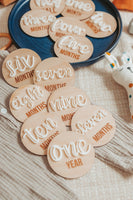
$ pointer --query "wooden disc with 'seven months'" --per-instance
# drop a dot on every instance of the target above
(70, 155)
(54, 73)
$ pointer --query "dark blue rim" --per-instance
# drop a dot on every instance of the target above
(91, 60)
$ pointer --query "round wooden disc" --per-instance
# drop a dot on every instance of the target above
(100, 25)
(95, 123)
(66, 26)
(36, 23)
(38, 131)
(18, 67)
(27, 101)
(70, 155)
(73, 49)
(66, 101)
(54, 7)
(54, 73)
(80, 9)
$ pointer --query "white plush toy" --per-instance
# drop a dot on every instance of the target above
(123, 74)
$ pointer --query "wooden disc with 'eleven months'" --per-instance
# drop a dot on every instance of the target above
(27, 101)
(54, 73)
(94, 122)
(70, 155)
(38, 131)
(66, 101)
(18, 67)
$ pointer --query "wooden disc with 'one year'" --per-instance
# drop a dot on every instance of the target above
(38, 131)
(70, 155)
(96, 123)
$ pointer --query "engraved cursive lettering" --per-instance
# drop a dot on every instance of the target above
(40, 131)
(97, 18)
(62, 26)
(20, 64)
(52, 74)
(73, 149)
(71, 43)
(79, 5)
(32, 94)
(89, 124)
(69, 102)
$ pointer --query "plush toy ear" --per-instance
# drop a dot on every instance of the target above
(126, 58)
(112, 60)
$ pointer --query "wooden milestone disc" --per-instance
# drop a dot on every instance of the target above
(66, 26)
(96, 123)
(55, 7)
(27, 101)
(36, 22)
(38, 131)
(81, 9)
(18, 67)
(66, 101)
(73, 49)
(54, 73)
(70, 155)
(100, 25)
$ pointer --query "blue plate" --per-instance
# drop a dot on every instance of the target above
(44, 46)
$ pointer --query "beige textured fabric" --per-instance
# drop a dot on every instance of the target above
(103, 182)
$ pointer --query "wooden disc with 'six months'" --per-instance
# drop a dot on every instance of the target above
(18, 67)
(66, 101)
(70, 155)
(27, 101)
(94, 122)
(54, 73)
(38, 131)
